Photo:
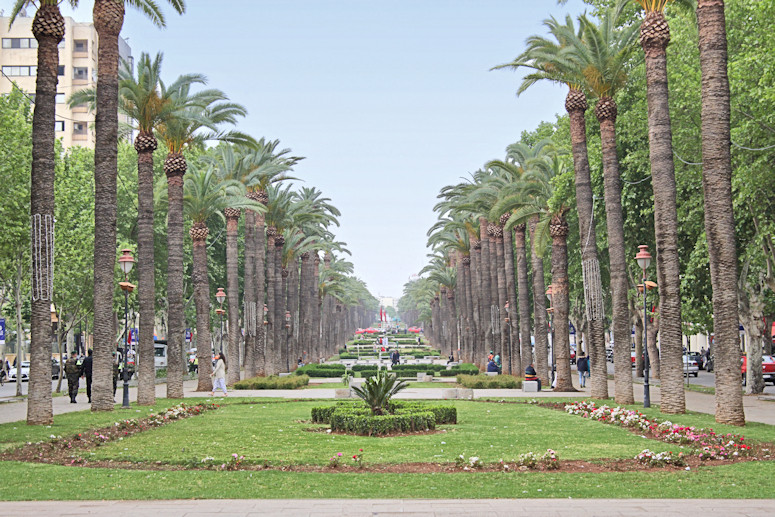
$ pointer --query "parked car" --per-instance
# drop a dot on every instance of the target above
(54, 368)
(25, 372)
(690, 366)
(609, 355)
(768, 368)
(697, 357)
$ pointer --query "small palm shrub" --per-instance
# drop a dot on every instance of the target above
(377, 391)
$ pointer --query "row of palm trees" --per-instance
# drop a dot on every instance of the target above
(592, 57)
(289, 300)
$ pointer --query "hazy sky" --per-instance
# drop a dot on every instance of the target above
(388, 100)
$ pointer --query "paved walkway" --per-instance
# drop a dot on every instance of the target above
(404, 507)
(756, 409)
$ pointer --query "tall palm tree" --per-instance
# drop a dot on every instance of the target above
(654, 38)
(48, 27)
(197, 123)
(552, 59)
(719, 215)
(108, 18)
(206, 195)
(148, 102)
(604, 54)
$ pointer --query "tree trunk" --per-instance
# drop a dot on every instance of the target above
(260, 278)
(270, 350)
(751, 310)
(560, 304)
(477, 344)
(503, 345)
(719, 214)
(515, 366)
(652, 332)
(202, 303)
(655, 36)
(145, 145)
(523, 293)
(48, 29)
(252, 311)
(606, 115)
(174, 168)
(278, 364)
(486, 286)
(540, 331)
(232, 294)
(108, 18)
(576, 105)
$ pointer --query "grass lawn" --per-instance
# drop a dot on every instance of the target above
(277, 431)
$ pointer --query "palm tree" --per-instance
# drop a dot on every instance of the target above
(48, 27)
(654, 38)
(108, 18)
(193, 125)
(206, 195)
(719, 216)
(604, 53)
(553, 60)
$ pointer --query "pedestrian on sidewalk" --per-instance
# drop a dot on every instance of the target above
(86, 368)
(219, 375)
(582, 365)
(73, 372)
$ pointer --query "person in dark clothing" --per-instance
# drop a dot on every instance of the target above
(492, 367)
(115, 375)
(86, 367)
(582, 365)
(73, 372)
(530, 375)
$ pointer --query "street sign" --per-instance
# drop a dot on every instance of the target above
(2, 331)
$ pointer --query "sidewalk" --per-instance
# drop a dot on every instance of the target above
(756, 410)
(388, 507)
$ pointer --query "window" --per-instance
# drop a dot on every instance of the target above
(80, 73)
(80, 45)
(60, 98)
(20, 43)
(79, 128)
(20, 70)
(61, 71)
(59, 126)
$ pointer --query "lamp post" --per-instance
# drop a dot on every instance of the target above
(507, 320)
(287, 333)
(126, 261)
(644, 260)
(550, 310)
(220, 296)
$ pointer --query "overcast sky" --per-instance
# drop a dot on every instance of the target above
(388, 100)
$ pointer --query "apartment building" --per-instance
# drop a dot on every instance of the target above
(77, 70)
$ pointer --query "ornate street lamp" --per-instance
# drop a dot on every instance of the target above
(220, 296)
(644, 261)
(126, 261)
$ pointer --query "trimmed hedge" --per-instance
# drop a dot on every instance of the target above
(376, 425)
(489, 381)
(313, 370)
(272, 383)
(412, 372)
(355, 356)
(362, 367)
(461, 369)
(441, 414)
(370, 372)
(429, 367)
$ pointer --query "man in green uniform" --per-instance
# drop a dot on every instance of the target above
(73, 372)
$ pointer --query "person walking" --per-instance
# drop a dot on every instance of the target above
(86, 368)
(73, 372)
(219, 375)
(582, 365)
(116, 363)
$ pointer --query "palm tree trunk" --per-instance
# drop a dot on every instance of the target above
(270, 349)
(606, 115)
(560, 304)
(108, 18)
(494, 312)
(48, 28)
(316, 305)
(285, 350)
(540, 330)
(279, 306)
(232, 293)
(515, 366)
(145, 145)
(202, 303)
(576, 105)
(469, 311)
(293, 307)
(651, 343)
(305, 315)
(476, 301)
(175, 168)
(523, 292)
(486, 290)
(260, 263)
(655, 36)
(719, 215)
(502, 298)
(251, 312)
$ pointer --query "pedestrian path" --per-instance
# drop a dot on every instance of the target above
(405, 507)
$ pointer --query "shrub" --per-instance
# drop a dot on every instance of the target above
(375, 425)
(312, 370)
(421, 367)
(371, 372)
(489, 382)
(272, 383)
(377, 391)
(361, 367)
(442, 414)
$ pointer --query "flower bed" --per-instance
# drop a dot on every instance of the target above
(704, 443)
(273, 382)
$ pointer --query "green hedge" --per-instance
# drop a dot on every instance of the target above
(412, 372)
(461, 369)
(489, 381)
(272, 383)
(429, 367)
(355, 356)
(370, 425)
(362, 367)
(441, 414)
(313, 370)
(371, 372)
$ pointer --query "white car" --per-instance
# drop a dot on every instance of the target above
(25, 372)
(690, 366)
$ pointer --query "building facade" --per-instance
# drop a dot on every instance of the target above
(77, 70)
